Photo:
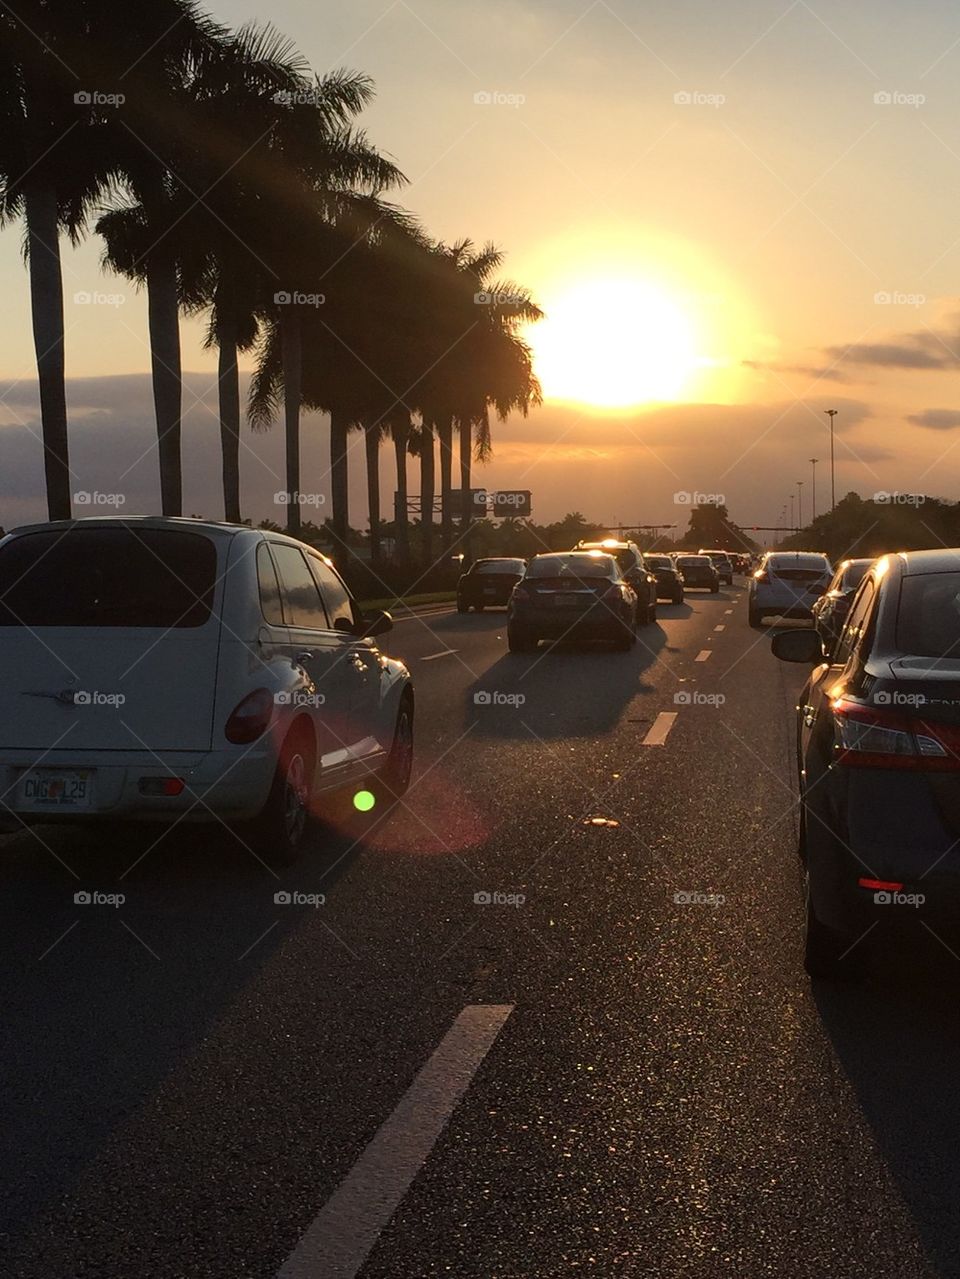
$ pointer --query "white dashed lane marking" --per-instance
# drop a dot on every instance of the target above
(660, 729)
(703, 655)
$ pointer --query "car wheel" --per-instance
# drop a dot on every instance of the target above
(678, 599)
(280, 830)
(826, 953)
(462, 607)
(652, 613)
(519, 641)
(754, 617)
(625, 638)
(399, 766)
(714, 590)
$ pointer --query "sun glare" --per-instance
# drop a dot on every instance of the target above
(616, 343)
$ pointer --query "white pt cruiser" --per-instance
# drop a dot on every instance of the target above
(171, 669)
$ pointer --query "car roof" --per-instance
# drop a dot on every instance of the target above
(592, 555)
(182, 523)
(940, 560)
(798, 557)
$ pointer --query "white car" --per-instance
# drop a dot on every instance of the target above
(174, 669)
(787, 584)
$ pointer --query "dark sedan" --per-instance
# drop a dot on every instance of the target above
(577, 595)
(878, 741)
(831, 609)
(698, 572)
(669, 578)
(487, 584)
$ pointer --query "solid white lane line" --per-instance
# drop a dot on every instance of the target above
(703, 655)
(660, 729)
(721, 627)
(447, 652)
(339, 1239)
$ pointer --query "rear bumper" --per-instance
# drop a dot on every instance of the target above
(229, 784)
(598, 622)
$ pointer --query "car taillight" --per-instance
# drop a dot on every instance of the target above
(761, 575)
(871, 738)
(250, 718)
(521, 593)
(611, 595)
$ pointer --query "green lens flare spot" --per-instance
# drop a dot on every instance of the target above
(364, 800)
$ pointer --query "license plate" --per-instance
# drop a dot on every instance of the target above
(562, 601)
(57, 788)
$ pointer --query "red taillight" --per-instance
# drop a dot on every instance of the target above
(161, 785)
(611, 595)
(880, 885)
(250, 718)
(870, 738)
(521, 593)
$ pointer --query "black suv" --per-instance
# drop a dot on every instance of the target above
(669, 578)
(630, 561)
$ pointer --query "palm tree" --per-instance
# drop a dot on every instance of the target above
(48, 177)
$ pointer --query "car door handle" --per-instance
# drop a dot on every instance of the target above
(305, 655)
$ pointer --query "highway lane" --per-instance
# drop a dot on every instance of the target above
(191, 1076)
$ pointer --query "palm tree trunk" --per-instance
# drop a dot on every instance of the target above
(466, 458)
(292, 356)
(46, 303)
(445, 435)
(427, 486)
(228, 383)
(339, 476)
(401, 437)
(163, 313)
(371, 445)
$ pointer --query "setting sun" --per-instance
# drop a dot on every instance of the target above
(616, 343)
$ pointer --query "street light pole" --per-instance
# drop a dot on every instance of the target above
(792, 525)
(831, 414)
(813, 464)
(800, 503)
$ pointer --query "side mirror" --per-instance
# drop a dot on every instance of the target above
(375, 622)
(798, 646)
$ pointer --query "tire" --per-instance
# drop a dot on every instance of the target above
(625, 639)
(395, 776)
(478, 607)
(519, 641)
(678, 599)
(462, 607)
(714, 590)
(825, 950)
(652, 614)
(279, 832)
(755, 618)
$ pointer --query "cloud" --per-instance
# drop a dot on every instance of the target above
(936, 419)
(921, 349)
(824, 373)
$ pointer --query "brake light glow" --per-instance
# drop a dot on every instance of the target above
(880, 885)
(870, 738)
(161, 785)
(250, 718)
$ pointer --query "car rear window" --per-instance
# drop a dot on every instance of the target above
(122, 576)
(658, 561)
(500, 566)
(580, 566)
(928, 621)
(694, 561)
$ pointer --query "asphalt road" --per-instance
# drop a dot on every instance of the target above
(600, 1079)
